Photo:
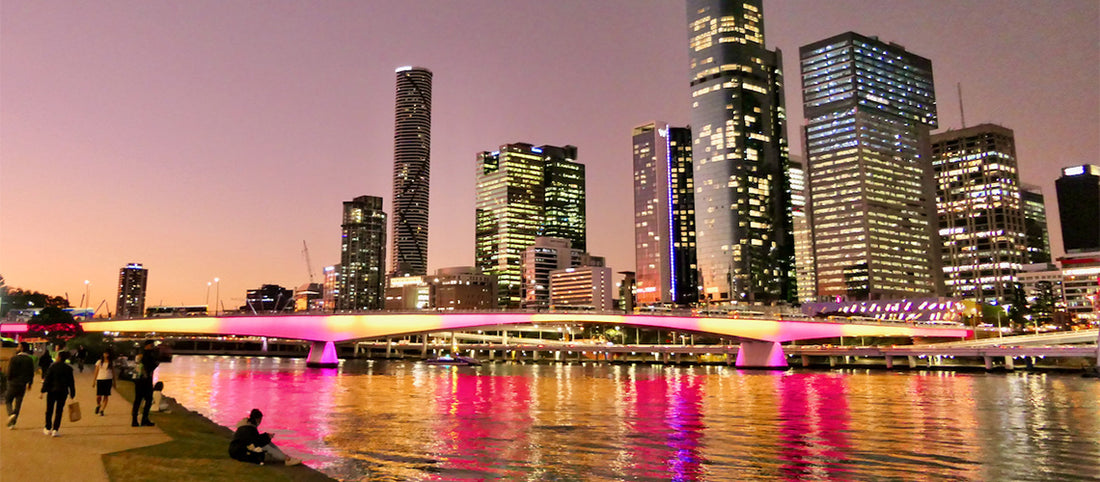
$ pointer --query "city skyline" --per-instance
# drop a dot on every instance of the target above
(228, 142)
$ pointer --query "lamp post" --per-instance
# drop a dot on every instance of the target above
(208, 283)
(87, 291)
(217, 295)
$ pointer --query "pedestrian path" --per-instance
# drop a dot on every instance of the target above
(27, 454)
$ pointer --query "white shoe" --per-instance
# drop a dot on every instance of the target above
(45, 431)
(293, 461)
(54, 434)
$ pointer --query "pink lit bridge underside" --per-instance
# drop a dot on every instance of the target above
(761, 336)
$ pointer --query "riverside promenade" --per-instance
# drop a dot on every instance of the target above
(77, 454)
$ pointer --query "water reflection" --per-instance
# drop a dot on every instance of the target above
(409, 421)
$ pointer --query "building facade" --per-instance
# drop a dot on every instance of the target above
(132, 281)
(362, 255)
(981, 213)
(1079, 207)
(804, 268)
(412, 141)
(331, 287)
(869, 107)
(586, 288)
(515, 184)
(462, 288)
(268, 299)
(744, 245)
(1035, 224)
(664, 216)
(548, 254)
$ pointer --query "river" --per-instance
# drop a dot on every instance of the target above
(377, 420)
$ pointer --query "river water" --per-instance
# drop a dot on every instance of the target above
(373, 420)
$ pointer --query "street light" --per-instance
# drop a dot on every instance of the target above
(217, 295)
(86, 293)
(208, 283)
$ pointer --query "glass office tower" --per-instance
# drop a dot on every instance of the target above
(869, 107)
(518, 187)
(362, 255)
(664, 216)
(412, 142)
(1035, 224)
(1079, 207)
(980, 209)
(744, 244)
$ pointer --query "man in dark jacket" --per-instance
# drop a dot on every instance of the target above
(249, 445)
(143, 384)
(58, 383)
(20, 377)
(45, 361)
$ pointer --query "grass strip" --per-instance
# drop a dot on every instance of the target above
(199, 450)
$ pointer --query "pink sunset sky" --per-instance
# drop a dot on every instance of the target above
(210, 138)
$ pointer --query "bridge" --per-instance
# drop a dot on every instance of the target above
(759, 345)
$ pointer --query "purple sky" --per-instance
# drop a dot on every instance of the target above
(210, 138)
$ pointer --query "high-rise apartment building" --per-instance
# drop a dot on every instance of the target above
(362, 255)
(664, 216)
(869, 107)
(744, 245)
(517, 186)
(1079, 208)
(981, 212)
(412, 142)
(587, 288)
(548, 254)
(1035, 224)
(132, 280)
(331, 287)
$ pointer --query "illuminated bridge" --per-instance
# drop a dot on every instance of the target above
(760, 338)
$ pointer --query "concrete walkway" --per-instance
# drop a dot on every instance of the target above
(27, 454)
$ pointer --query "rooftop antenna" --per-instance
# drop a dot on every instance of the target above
(962, 113)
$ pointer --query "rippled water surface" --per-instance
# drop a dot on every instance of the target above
(410, 421)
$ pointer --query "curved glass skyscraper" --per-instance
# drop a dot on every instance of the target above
(412, 141)
(744, 243)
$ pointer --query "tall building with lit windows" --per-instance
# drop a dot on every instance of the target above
(744, 245)
(805, 276)
(981, 212)
(664, 216)
(1079, 207)
(132, 281)
(412, 142)
(362, 255)
(869, 106)
(518, 188)
(1035, 224)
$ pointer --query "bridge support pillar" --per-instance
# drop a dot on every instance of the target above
(424, 346)
(988, 363)
(389, 347)
(1010, 364)
(832, 362)
(322, 354)
(805, 360)
(912, 361)
(889, 362)
(761, 354)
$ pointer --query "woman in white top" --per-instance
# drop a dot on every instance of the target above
(104, 381)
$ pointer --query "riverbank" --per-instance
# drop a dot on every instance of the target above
(197, 451)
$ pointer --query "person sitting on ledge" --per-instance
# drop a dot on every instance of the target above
(249, 445)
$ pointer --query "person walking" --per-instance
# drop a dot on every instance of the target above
(81, 357)
(20, 375)
(45, 360)
(58, 383)
(147, 363)
(104, 381)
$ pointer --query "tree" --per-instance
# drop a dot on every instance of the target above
(53, 324)
(19, 298)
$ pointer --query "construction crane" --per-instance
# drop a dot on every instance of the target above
(309, 265)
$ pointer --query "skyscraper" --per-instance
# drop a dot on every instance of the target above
(362, 255)
(980, 210)
(1035, 224)
(1079, 207)
(869, 106)
(805, 276)
(132, 280)
(742, 208)
(412, 140)
(664, 216)
(515, 185)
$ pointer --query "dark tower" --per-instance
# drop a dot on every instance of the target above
(412, 140)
